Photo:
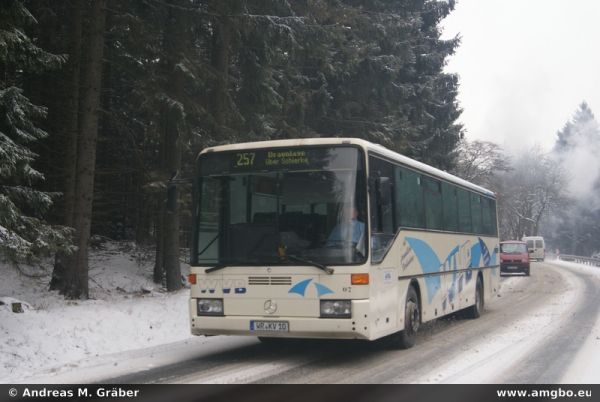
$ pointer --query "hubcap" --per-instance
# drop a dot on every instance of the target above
(413, 315)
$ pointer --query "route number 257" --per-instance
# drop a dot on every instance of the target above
(245, 159)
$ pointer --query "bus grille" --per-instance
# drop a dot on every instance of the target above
(269, 280)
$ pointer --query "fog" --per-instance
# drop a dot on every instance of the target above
(524, 67)
(581, 161)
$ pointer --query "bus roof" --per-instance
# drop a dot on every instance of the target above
(369, 146)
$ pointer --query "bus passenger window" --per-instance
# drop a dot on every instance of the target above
(383, 219)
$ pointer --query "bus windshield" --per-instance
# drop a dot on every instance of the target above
(280, 206)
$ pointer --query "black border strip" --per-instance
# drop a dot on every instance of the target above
(300, 392)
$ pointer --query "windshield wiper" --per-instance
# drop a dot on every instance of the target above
(215, 268)
(309, 262)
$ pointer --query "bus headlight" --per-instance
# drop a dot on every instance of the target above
(336, 308)
(210, 306)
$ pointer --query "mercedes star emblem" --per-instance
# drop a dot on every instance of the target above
(270, 306)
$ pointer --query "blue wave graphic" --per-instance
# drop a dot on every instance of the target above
(485, 253)
(475, 255)
(322, 289)
(430, 263)
(300, 287)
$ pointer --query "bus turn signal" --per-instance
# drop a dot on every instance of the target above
(360, 279)
(192, 279)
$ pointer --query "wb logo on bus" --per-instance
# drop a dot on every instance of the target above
(228, 286)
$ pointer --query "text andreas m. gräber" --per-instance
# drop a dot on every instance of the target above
(113, 392)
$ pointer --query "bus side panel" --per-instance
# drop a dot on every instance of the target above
(386, 293)
(445, 267)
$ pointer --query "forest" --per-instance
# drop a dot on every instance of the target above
(104, 103)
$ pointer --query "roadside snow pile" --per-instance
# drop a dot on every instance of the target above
(126, 311)
(586, 365)
(590, 269)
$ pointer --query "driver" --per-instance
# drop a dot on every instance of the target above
(349, 230)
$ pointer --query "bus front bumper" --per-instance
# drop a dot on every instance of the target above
(357, 327)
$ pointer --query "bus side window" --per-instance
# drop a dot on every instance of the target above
(432, 191)
(464, 211)
(476, 213)
(409, 198)
(381, 197)
(489, 216)
(450, 201)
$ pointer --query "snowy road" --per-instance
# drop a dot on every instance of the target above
(541, 329)
(532, 333)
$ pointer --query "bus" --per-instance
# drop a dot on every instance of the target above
(335, 238)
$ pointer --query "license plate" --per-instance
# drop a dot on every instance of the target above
(512, 267)
(270, 326)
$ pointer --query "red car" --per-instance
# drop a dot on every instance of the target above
(514, 257)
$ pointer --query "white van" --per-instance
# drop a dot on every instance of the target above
(536, 247)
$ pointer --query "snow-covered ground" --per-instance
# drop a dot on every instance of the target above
(126, 311)
(130, 324)
(580, 267)
(586, 366)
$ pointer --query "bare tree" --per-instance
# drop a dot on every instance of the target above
(534, 188)
(480, 161)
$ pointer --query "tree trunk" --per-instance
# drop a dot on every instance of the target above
(171, 126)
(221, 43)
(77, 280)
(159, 262)
(171, 216)
(71, 126)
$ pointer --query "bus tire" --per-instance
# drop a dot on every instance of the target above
(476, 309)
(406, 338)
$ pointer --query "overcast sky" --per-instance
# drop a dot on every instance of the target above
(524, 66)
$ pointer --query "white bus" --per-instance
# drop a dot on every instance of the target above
(335, 238)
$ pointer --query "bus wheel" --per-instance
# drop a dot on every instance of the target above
(412, 320)
(475, 310)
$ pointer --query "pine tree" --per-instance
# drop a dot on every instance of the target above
(582, 128)
(24, 234)
(373, 70)
(178, 76)
(575, 229)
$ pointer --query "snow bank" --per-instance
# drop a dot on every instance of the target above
(586, 365)
(590, 269)
(126, 311)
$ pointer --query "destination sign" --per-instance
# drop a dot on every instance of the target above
(286, 158)
(327, 158)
